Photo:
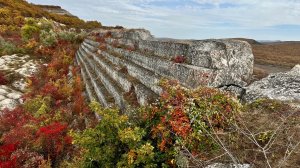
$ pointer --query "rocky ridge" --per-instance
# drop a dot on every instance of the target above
(16, 68)
(54, 9)
(283, 86)
(121, 61)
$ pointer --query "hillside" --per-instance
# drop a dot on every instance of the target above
(273, 57)
(54, 9)
(13, 13)
(281, 54)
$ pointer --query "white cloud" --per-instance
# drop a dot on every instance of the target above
(190, 18)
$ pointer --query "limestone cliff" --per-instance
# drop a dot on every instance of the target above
(55, 9)
(119, 62)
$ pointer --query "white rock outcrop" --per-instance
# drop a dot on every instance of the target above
(284, 86)
(9, 97)
(19, 67)
(120, 61)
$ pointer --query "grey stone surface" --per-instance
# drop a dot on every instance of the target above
(15, 65)
(133, 58)
(221, 165)
(230, 60)
(238, 91)
(19, 65)
(284, 86)
(9, 98)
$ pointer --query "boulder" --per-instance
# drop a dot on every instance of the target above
(8, 103)
(283, 86)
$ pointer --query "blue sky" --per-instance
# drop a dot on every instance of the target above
(194, 19)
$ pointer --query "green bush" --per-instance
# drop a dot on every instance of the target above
(29, 31)
(72, 36)
(48, 39)
(45, 25)
(92, 24)
(181, 120)
(67, 35)
(38, 106)
(8, 48)
(114, 142)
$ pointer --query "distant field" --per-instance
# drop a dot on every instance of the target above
(282, 54)
(273, 57)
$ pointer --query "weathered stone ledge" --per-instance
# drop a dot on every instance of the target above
(132, 62)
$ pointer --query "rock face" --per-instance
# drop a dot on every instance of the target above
(55, 9)
(16, 68)
(122, 64)
(9, 97)
(284, 86)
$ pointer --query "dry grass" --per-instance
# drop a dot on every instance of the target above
(281, 54)
(259, 73)
(274, 127)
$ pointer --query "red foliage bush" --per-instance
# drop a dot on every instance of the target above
(31, 142)
(179, 59)
(50, 89)
(180, 123)
(3, 80)
(13, 118)
(54, 140)
(103, 47)
(169, 118)
(26, 158)
(100, 39)
(108, 34)
(5, 156)
(23, 136)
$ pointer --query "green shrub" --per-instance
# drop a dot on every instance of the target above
(181, 120)
(92, 24)
(45, 25)
(114, 142)
(102, 142)
(8, 48)
(48, 39)
(29, 31)
(72, 36)
(38, 106)
(67, 35)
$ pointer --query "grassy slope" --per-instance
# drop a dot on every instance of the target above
(273, 57)
(283, 54)
(29, 10)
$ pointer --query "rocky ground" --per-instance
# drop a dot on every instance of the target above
(15, 68)
(283, 86)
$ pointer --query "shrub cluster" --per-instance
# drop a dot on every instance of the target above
(35, 134)
(181, 120)
(42, 36)
(8, 48)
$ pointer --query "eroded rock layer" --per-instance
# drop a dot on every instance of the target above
(15, 68)
(124, 66)
(284, 86)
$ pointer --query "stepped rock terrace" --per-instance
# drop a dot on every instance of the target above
(124, 66)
